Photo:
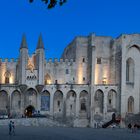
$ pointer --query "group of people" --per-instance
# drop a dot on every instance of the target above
(11, 128)
(133, 128)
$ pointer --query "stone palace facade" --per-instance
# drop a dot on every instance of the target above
(95, 77)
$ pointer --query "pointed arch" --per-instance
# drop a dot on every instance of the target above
(47, 79)
(71, 93)
(3, 102)
(58, 102)
(16, 100)
(84, 101)
(7, 76)
(130, 104)
(99, 101)
(45, 101)
(112, 101)
(135, 46)
(130, 70)
(71, 104)
(31, 98)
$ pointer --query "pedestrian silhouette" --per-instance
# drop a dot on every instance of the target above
(10, 127)
(13, 128)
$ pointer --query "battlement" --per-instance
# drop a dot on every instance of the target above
(55, 60)
(6, 60)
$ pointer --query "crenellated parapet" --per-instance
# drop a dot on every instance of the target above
(59, 61)
(6, 60)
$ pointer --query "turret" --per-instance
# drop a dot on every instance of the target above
(23, 42)
(40, 58)
(23, 59)
(40, 44)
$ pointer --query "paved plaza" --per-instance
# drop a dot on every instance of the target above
(44, 133)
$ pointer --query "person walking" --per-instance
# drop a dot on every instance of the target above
(10, 127)
(13, 128)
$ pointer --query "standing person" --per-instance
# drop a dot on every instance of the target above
(13, 128)
(10, 127)
(129, 127)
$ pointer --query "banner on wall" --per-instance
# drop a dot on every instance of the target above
(45, 103)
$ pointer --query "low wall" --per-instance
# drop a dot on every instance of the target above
(33, 122)
(45, 122)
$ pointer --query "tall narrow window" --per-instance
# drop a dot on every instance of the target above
(130, 104)
(83, 106)
(67, 71)
(7, 77)
(6, 80)
(99, 60)
(130, 70)
(58, 103)
(83, 60)
(84, 78)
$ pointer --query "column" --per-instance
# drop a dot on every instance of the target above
(105, 103)
(51, 103)
(64, 105)
(38, 101)
(77, 105)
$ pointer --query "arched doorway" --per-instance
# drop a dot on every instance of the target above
(71, 104)
(84, 104)
(58, 103)
(29, 111)
(112, 101)
(3, 102)
(31, 98)
(15, 103)
(98, 101)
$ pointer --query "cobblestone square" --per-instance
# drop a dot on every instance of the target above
(58, 133)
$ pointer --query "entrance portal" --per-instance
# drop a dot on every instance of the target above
(29, 111)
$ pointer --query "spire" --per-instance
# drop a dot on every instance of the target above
(40, 44)
(23, 42)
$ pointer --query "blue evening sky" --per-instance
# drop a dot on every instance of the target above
(60, 25)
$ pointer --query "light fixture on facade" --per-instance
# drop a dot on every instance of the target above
(104, 81)
(48, 81)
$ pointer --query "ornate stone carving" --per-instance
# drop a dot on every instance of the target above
(39, 88)
(22, 87)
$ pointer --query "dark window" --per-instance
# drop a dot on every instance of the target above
(71, 107)
(67, 71)
(7, 80)
(99, 60)
(83, 107)
(55, 81)
(58, 103)
(72, 94)
(109, 101)
(84, 78)
(83, 60)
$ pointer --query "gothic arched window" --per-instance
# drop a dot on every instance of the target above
(7, 77)
(130, 104)
(47, 79)
(130, 70)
